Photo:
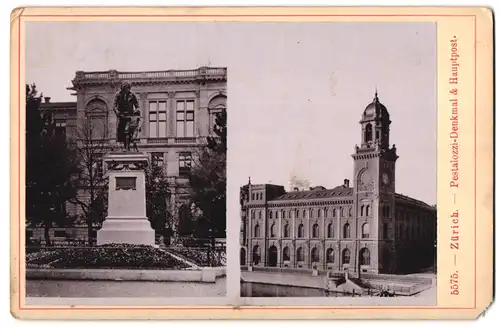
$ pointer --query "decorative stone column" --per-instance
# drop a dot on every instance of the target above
(126, 222)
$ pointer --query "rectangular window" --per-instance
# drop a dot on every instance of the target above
(157, 159)
(185, 118)
(386, 231)
(59, 233)
(184, 164)
(60, 129)
(158, 119)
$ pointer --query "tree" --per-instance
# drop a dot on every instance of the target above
(157, 194)
(186, 225)
(208, 182)
(92, 198)
(50, 164)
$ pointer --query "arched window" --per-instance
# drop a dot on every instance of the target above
(368, 133)
(256, 255)
(311, 213)
(286, 231)
(96, 114)
(260, 214)
(300, 254)
(341, 212)
(242, 256)
(326, 213)
(362, 210)
(256, 230)
(297, 213)
(365, 257)
(283, 214)
(334, 214)
(253, 196)
(300, 232)
(367, 210)
(253, 214)
(330, 256)
(290, 214)
(276, 214)
(330, 230)
(273, 230)
(270, 214)
(365, 231)
(304, 214)
(347, 230)
(319, 213)
(315, 231)
(350, 211)
(286, 254)
(346, 256)
(314, 255)
(216, 106)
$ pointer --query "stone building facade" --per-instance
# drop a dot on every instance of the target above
(178, 111)
(366, 227)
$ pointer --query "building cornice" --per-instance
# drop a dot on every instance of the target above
(201, 76)
(285, 204)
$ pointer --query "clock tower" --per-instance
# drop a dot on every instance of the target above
(374, 191)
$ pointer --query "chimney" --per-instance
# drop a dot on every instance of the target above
(47, 99)
(346, 183)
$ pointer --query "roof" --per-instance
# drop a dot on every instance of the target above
(58, 105)
(404, 198)
(375, 109)
(340, 191)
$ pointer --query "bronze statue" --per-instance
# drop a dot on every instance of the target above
(134, 128)
(126, 108)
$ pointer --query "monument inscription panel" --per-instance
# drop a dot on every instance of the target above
(125, 183)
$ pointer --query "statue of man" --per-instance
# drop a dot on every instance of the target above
(124, 106)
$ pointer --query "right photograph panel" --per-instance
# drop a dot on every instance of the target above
(338, 182)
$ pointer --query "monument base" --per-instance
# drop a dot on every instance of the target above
(136, 231)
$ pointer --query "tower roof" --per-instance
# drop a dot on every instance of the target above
(375, 110)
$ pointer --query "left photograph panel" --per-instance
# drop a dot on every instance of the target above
(125, 161)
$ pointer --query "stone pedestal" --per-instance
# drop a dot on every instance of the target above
(126, 222)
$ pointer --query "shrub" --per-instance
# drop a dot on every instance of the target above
(106, 256)
(199, 256)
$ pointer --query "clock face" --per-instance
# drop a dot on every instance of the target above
(385, 178)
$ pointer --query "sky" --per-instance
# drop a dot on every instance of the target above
(296, 91)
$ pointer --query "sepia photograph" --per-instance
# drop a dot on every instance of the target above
(340, 199)
(125, 163)
(346, 181)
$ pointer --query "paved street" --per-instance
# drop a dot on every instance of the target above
(73, 288)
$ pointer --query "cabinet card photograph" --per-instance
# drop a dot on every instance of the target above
(251, 163)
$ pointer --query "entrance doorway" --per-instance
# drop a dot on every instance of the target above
(273, 256)
(242, 257)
